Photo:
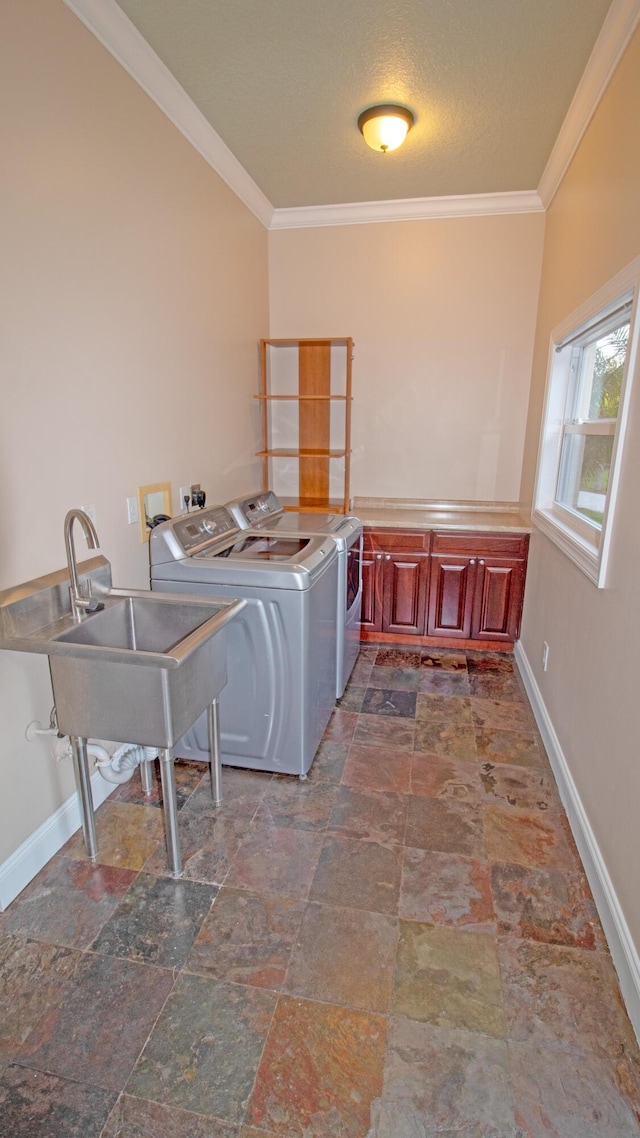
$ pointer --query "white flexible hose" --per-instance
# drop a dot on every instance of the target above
(130, 755)
(120, 766)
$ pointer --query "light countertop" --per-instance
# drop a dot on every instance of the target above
(494, 517)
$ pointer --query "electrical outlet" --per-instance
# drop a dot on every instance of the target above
(90, 511)
(545, 655)
(197, 497)
(132, 510)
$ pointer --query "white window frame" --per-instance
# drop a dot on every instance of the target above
(583, 541)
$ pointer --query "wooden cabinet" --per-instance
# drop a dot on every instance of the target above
(395, 574)
(477, 585)
(305, 397)
(405, 592)
(498, 599)
(451, 595)
(444, 586)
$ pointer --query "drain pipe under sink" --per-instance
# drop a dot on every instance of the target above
(120, 766)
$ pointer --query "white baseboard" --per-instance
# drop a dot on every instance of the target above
(29, 858)
(623, 951)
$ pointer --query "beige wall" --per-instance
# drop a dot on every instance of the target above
(443, 315)
(134, 290)
(591, 687)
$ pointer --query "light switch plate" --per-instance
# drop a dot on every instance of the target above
(132, 511)
(90, 511)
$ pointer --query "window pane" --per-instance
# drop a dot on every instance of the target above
(600, 376)
(584, 474)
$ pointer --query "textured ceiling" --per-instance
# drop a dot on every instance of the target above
(283, 82)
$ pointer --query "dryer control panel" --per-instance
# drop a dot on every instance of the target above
(207, 525)
(260, 507)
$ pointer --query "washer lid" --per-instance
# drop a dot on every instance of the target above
(301, 523)
(263, 510)
(261, 547)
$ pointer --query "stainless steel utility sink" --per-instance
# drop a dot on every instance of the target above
(140, 670)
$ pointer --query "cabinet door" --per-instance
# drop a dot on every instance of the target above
(371, 619)
(498, 599)
(405, 592)
(451, 595)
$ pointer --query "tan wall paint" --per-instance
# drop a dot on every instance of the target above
(443, 316)
(591, 686)
(134, 290)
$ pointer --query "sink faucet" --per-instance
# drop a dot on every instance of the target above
(79, 603)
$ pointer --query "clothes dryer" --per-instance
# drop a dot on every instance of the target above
(263, 512)
(281, 649)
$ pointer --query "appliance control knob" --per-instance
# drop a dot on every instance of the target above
(208, 527)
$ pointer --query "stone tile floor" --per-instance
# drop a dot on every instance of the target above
(403, 946)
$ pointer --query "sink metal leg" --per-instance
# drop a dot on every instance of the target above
(213, 725)
(168, 779)
(146, 776)
(83, 785)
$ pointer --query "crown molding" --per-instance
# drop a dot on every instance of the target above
(619, 25)
(108, 23)
(407, 209)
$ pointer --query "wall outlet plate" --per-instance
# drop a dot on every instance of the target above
(90, 511)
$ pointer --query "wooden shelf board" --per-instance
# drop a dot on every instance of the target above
(305, 452)
(305, 398)
(338, 341)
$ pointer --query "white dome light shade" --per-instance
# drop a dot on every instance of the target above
(385, 127)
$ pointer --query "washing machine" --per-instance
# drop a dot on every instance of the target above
(263, 512)
(281, 649)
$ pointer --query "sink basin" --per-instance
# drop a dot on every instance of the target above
(134, 624)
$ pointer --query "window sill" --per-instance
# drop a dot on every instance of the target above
(583, 553)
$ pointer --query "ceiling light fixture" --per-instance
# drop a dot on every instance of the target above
(385, 126)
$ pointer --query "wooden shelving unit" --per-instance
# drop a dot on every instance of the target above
(322, 378)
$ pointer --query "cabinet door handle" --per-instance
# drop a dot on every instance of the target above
(481, 561)
(473, 561)
(387, 557)
(378, 557)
